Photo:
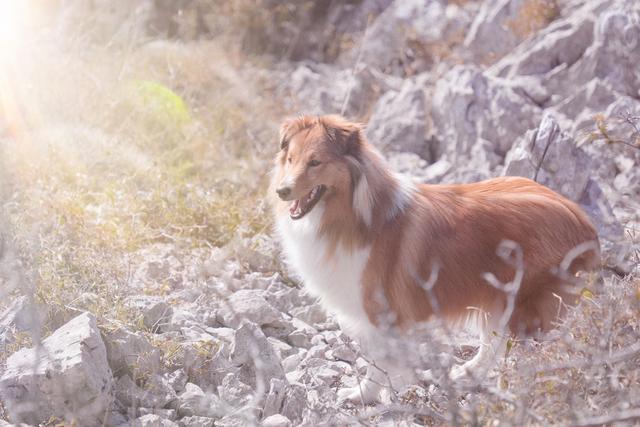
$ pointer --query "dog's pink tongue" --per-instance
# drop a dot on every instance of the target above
(293, 207)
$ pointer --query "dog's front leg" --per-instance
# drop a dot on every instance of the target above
(389, 367)
(373, 346)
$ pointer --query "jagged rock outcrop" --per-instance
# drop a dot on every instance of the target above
(598, 40)
(552, 158)
(398, 121)
(67, 377)
(397, 42)
(501, 25)
(350, 92)
(469, 106)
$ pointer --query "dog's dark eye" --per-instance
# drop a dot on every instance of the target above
(313, 163)
(289, 160)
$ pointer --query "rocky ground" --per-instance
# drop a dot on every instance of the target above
(141, 284)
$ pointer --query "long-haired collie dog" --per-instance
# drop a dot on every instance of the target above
(365, 242)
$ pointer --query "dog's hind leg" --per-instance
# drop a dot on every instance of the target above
(493, 345)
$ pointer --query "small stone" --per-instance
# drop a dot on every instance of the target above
(204, 358)
(181, 318)
(342, 352)
(628, 182)
(4, 423)
(281, 348)
(317, 351)
(252, 352)
(131, 353)
(154, 310)
(156, 394)
(326, 375)
(152, 420)
(233, 391)
(318, 339)
(329, 325)
(169, 414)
(116, 417)
(293, 362)
(434, 173)
(159, 268)
(195, 421)
(194, 401)
(276, 420)
(295, 402)
(249, 304)
(275, 397)
(177, 379)
(299, 338)
(311, 314)
(223, 334)
(231, 421)
(295, 376)
(361, 363)
(279, 330)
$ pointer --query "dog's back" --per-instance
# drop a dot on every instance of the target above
(458, 229)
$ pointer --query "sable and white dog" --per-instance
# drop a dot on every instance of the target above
(353, 231)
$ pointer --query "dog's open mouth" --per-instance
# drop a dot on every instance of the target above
(301, 207)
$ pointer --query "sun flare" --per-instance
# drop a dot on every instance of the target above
(13, 19)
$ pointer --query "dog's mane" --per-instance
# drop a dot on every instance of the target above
(377, 196)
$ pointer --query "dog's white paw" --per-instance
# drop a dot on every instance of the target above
(366, 394)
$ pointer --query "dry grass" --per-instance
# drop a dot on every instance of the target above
(624, 130)
(115, 148)
(584, 369)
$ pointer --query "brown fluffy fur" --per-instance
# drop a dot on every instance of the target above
(459, 227)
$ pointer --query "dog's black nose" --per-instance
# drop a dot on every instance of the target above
(283, 192)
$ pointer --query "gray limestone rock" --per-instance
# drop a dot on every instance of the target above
(68, 376)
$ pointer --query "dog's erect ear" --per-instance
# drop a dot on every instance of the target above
(292, 126)
(285, 131)
(347, 136)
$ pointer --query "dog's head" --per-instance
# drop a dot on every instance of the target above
(318, 160)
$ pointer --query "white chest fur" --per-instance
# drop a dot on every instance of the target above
(334, 280)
